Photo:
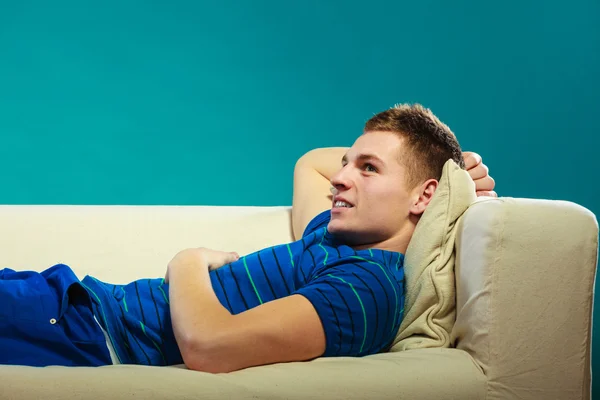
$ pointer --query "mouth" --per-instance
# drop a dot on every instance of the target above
(339, 205)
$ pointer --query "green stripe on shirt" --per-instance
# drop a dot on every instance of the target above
(153, 342)
(163, 293)
(252, 281)
(124, 299)
(291, 256)
(324, 249)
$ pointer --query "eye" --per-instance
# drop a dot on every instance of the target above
(370, 168)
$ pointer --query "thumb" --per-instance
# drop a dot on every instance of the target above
(234, 255)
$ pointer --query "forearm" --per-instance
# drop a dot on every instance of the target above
(327, 161)
(312, 176)
(197, 315)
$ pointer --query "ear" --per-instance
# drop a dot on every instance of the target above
(422, 195)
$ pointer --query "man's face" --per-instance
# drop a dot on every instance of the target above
(372, 181)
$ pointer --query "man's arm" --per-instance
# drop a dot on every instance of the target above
(211, 339)
(312, 175)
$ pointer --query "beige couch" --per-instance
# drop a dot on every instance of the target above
(524, 285)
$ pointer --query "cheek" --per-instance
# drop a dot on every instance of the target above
(390, 204)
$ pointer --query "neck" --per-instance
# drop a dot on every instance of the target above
(398, 243)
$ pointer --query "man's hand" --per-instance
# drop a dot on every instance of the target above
(201, 256)
(479, 172)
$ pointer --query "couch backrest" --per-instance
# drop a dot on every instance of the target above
(119, 244)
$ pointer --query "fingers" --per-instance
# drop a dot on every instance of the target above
(471, 159)
(485, 193)
(484, 184)
(478, 172)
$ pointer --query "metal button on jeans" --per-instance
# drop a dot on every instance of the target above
(52, 321)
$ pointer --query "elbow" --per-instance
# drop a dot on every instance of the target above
(205, 356)
(204, 364)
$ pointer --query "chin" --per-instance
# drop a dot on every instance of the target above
(342, 231)
(333, 228)
(336, 226)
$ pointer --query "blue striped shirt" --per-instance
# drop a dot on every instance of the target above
(358, 295)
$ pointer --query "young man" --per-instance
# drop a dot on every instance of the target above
(335, 291)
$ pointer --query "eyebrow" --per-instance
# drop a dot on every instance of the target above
(365, 157)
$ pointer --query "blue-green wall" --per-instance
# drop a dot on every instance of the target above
(146, 102)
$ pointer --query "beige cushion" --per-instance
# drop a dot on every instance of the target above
(430, 305)
(417, 375)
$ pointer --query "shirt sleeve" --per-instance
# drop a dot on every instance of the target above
(318, 222)
(360, 303)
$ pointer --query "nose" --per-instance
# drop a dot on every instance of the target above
(341, 180)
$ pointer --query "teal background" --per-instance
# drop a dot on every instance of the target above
(149, 102)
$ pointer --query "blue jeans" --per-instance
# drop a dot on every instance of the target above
(46, 319)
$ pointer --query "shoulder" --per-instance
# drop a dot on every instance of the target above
(360, 300)
(369, 264)
(344, 258)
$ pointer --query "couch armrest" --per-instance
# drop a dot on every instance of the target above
(525, 274)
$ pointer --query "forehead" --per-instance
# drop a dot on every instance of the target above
(385, 145)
